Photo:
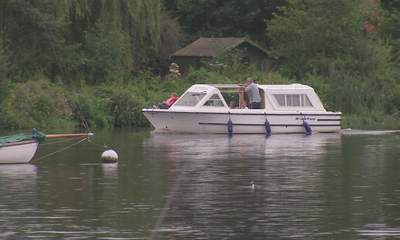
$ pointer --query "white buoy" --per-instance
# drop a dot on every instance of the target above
(252, 186)
(109, 156)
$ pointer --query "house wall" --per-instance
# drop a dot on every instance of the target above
(255, 56)
(186, 62)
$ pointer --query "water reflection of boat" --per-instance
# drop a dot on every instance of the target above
(212, 176)
(17, 178)
(292, 108)
(18, 171)
(211, 146)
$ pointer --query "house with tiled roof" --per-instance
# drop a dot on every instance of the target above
(194, 54)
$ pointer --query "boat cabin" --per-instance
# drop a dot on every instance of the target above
(275, 98)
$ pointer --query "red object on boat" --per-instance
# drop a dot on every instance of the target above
(171, 100)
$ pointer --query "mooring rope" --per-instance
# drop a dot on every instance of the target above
(60, 150)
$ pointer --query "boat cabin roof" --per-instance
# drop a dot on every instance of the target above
(270, 86)
(287, 97)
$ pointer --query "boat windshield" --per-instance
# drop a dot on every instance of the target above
(190, 99)
(214, 101)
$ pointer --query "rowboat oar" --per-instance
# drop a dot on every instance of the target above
(68, 135)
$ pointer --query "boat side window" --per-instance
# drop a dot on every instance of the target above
(280, 99)
(292, 100)
(214, 101)
(306, 101)
(190, 99)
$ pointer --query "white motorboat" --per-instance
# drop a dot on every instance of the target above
(203, 108)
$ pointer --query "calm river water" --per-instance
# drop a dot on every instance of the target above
(327, 186)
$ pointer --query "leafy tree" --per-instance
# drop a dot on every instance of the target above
(106, 55)
(32, 32)
(390, 31)
(49, 36)
(139, 19)
(308, 35)
(391, 4)
(327, 39)
(224, 17)
(170, 34)
(4, 65)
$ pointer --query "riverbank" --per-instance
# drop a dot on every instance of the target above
(50, 106)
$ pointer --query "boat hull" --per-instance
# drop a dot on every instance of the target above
(214, 122)
(18, 152)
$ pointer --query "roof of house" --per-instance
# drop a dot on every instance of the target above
(211, 47)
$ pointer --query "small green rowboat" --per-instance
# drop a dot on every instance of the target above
(21, 148)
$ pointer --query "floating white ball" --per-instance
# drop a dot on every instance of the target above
(109, 156)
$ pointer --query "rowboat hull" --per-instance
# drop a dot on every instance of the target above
(18, 152)
(242, 123)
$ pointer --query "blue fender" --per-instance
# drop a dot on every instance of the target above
(307, 128)
(230, 126)
(268, 131)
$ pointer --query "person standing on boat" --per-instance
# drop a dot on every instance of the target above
(253, 94)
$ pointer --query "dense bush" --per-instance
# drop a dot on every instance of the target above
(38, 104)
